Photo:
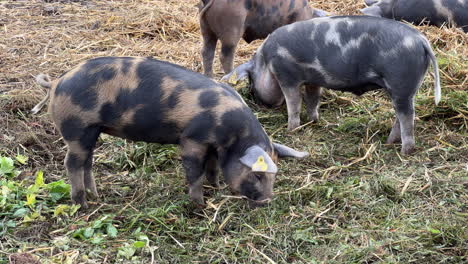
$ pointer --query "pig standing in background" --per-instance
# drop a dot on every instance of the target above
(355, 54)
(437, 12)
(144, 99)
(231, 20)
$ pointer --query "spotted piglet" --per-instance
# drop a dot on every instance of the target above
(436, 12)
(355, 54)
(143, 99)
(231, 20)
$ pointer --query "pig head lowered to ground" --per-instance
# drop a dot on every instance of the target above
(355, 54)
(437, 12)
(144, 99)
(231, 20)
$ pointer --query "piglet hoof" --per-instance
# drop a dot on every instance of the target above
(407, 149)
(293, 125)
(393, 140)
(80, 198)
(314, 117)
(92, 193)
(197, 197)
(199, 202)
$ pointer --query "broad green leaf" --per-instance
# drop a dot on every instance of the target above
(126, 252)
(88, 232)
(21, 212)
(33, 217)
(21, 159)
(79, 234)
(30, 199)
(32, 189)
(96, 240)
(73, 209)
(6, 165)
(111, 231)
(39, 179)
(11, 223)
(58, 190)
(139, 244)
(61, 209)
(97, 224)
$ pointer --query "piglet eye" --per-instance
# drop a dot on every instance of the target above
(258, 176)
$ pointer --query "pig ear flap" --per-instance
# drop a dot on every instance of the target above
(258, 160)
(239, 73)
(284, 151)
(320, 13)
(372, 11)
(370, 2)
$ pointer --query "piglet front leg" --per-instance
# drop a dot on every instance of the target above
(312, 100)
(193, 155)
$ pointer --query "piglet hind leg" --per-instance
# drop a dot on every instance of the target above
(293, 104)
(395, 134)
(88, 141)
(75, 164)
(208, 49)
(404, 109)
(229, 40)
(193, 161)
(89, 182)
(312, 100)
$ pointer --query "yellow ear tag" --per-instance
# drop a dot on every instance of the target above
(233, 78)
(260, 164)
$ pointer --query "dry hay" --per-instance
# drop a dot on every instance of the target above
(53, 36)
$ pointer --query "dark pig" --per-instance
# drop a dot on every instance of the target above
(347, 53)
(231, 20)
(144, 99)
(436, 12)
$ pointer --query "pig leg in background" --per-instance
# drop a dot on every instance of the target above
(209, 47)
(193, 161)
(312, 100)
(229, 40)
(395, 134)
(293, 103)
(405, 114)
(211, 169)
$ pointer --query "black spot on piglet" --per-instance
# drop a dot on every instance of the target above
(200, 126)
(208, 99)
(71, 128)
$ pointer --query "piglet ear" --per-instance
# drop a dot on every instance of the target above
(372, 11)
(239, 73)
(258, 160)
(284, 151)
(370, 2)
(320, 13)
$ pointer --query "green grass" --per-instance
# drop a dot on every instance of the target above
(353, 200)
(329, 208)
